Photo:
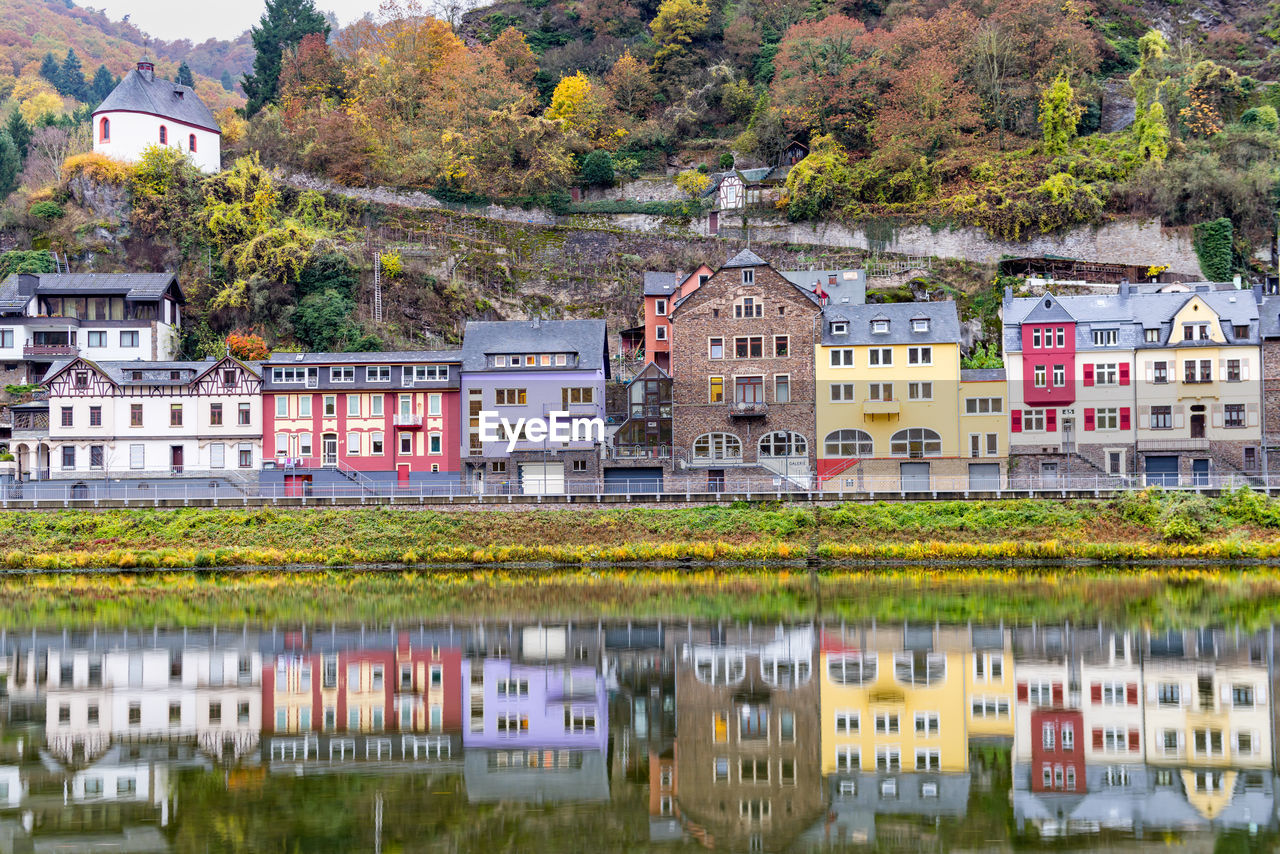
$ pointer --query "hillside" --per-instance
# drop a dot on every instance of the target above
(29, 29)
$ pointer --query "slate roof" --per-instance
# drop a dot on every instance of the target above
(658, 283)
(485, 337)
(280, 358)
(1131, 315)
(944, 324)
(1269, 316)
(850, 286)
(159, 97)
(745, 258)
(153, 373)
(982, 375)
(134, 286)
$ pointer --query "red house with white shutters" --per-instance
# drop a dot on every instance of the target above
(372, 420)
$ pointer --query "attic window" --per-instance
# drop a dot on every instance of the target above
(137, 376)
(1153, 336)
(839, 329)
(175, 375)
(82, 379)
(748, 276)
(920, 324)
(1048, 303)
(178, 92)
(879, 327)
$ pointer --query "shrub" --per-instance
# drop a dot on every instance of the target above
(597, 169)
(1212, 243)
(47, 211)
(96, 167)
(1262, 118)
(25, 261)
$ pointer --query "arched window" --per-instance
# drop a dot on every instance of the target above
(782, 444)
(104, 130)
(848, 443)
(717, 446)
(916, 442)
(191, 143)
(164, 135)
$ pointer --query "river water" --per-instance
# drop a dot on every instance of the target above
(516, 734)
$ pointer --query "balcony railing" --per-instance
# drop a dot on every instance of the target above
(407, 419)
(748, 408)
(640, 452)
(1198, 444)
(640, 410)
(50, 350)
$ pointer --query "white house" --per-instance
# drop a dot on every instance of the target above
(149, 419)
(46, 317)
(145, 110)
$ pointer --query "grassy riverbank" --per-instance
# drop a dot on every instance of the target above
(1151, 525)
(1153, 598)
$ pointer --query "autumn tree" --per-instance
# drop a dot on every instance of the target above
(821, 183)
(630, 84)
(514, 52)
(582, 109)
(247, 346)
(676, 25)
(1059, 116)
(511, 154)
(1211, 89)
(829, 79)
(926, 109)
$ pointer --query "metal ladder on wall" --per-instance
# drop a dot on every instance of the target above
(377, 288)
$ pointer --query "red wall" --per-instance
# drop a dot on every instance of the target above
(1057, 757)
(1048, 357)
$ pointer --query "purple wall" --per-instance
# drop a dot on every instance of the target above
(544, 705)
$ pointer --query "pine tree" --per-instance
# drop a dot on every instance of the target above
(71, 77)
(184, 76)
(227, 81)
(19, 131)
(103, 82)
(10, 165)
(281, 27)
(49, 68)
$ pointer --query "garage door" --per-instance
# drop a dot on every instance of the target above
(915, 477)
(984, 477)
(542, 478)
(1162, 471)
(620, 480)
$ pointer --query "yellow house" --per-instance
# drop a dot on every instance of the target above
(893, 700)
(888, 390)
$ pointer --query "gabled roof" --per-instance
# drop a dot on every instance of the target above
(583, 337)
(159, 97)
(745, 258)
(651, 371)
(132, 286)
(1048, 309)
(280, 358)
(121, 373)
(944, 324)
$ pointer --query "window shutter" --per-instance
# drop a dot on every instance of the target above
(1057, 693)
(1177, 418)
(1088, 374)
(1095, 693)
(1144, 415)
(1088, 419)
(1133, 741)
(1152, 693)
(1124, 418)
(1051, 420)
(1217, 414)
(1251, 414)
(1124, 373)
(1022, 692)
(1097, 738)
(1261, 692)
(1244, 370)
(1225, 692)
(1151, 373)
(1131, 693)
(1015, 424)
(1222, 370)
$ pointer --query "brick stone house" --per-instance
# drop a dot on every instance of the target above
(743, 376)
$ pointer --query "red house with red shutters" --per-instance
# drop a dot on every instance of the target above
(374, 421)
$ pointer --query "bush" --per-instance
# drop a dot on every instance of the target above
(47, 211)
(1212, 243)
(726, 161)
(690, 208)
(25, 261)
(6, 457)
(1261, 118)
(96, 167)
(597, 169)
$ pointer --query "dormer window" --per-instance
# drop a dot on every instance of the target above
(499, 361)
(137, 376)
(920, 324)
(879, 327)
(1153, 336)
(748, 276)
(175, 375)
(840, 328)
(748, 307)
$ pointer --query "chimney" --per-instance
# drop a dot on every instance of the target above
(27, 283)
(147, 69)
(1008, 293)
(1125, 288)
(1257, 293)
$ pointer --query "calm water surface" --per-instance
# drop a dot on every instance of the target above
(520, 735)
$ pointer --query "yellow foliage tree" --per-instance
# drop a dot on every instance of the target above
(676, 25)
(39, 105)
(692, 182)
(583, 110)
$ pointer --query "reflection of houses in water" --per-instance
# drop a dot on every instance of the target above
(535, 775)
(862, 799)
(748, 758)
(362, 681)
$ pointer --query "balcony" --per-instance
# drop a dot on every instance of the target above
(748, 409)
(407, 420)
(640, 410)
(640, 452)
(1198, 444)
(34, 350)
(881, 407)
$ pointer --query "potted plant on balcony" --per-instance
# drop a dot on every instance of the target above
(8, 466)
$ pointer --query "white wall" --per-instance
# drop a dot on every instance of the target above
(132, 133)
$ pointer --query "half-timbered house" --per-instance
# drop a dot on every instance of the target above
(149, 419)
